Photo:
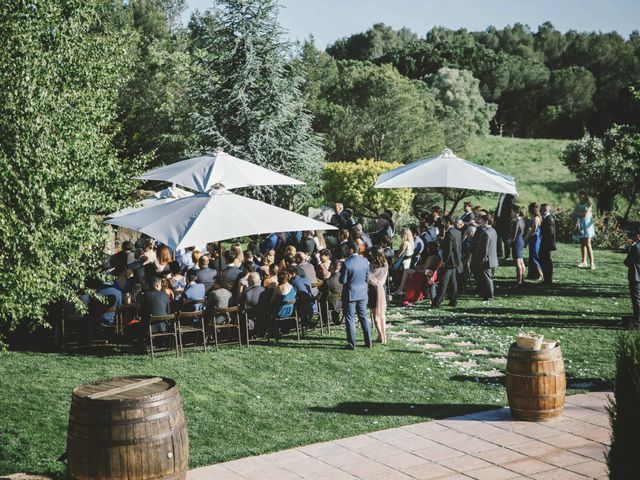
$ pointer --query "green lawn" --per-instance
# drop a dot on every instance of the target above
(535, 163)
(266, 398)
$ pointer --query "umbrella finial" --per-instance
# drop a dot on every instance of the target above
(447, 152)
(219, 149)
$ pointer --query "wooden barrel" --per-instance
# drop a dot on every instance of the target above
(127, 428)
(536, 383)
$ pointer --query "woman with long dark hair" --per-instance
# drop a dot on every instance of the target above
(532, 238)
(517, 242)
(377, 296)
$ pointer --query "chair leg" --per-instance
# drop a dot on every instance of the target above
(175, 341)
(246, 327)
(204, 335)
(298, 327)
(151, 341)
(215, 333)
(240, 334)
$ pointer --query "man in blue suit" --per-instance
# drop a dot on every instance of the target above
(355, 276)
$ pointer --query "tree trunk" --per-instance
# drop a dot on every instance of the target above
(632, 200)
(605, 202)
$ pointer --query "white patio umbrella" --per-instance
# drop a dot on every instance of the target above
(447, 171)
(161, 197)
(214, 216)
(217, 168)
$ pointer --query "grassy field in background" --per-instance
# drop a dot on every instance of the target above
(268, 397)
(535, 163)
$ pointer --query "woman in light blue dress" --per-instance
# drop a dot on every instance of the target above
(533, 239)
(584, 230)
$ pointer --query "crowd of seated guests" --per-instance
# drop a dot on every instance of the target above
(282, 266)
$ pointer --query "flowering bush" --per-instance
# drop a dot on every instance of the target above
(608, 231)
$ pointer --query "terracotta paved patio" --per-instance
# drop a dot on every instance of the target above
(488, 445)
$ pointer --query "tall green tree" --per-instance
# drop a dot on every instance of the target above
(369, 111)
(464, 113)
(61, 68)
(608, 166)
(153, 106)
(246, 95)
(372, 44)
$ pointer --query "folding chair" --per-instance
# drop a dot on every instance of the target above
(173, 332)
(317, 284)
(276, 320)
(228, 325)
(191, 322)
(247, 315)
(329, 302)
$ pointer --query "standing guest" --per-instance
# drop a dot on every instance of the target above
(194, 291)
(163, 260)
(155, 302)
(468, 215)
(468, 234)
(517, 243)
(321, 242)
(532, 237)
(377, 295)
(357, 229)
(430, 235)
(547, 242)
(389, 215)
(206, 274)
(271, 280)
(383, 229)
(322, 270)
(340, 251)
(354, 275)
(451, 264)
(502, 223)
(405, 252)
(487, 258)
(436, 213)
(633, 265)
(584, 230)
(349, 221)
(338, 219)
(308, 244)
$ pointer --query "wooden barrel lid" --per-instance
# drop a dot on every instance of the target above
(124, 388)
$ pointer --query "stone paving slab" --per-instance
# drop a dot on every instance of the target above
(488, 445)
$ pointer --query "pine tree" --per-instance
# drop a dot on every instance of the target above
(246, 95)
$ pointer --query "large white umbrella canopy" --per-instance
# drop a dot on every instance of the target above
(217, 168)
(214, 216)
(161, 197)
(447, 171)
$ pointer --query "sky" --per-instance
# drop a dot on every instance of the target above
(328, 20)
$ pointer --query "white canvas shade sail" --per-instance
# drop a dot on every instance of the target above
(217, 168)
(210, 217)
(166, 195)
(447, 171)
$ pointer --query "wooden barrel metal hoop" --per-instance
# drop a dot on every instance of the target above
(536, 383)
(127, 428)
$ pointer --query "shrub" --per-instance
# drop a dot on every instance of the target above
(352, 183)
(623, 409)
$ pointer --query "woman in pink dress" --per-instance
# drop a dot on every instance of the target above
(377, 296)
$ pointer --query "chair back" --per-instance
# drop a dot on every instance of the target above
(161, 318)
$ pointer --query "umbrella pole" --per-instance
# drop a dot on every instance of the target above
(444, 195)
(219, 257)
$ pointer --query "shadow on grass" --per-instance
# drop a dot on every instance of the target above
(435, 410)
(581, 383)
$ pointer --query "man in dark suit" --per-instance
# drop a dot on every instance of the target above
(547, 242)
(452, 264)
(354, 275)
(633, 264)
(257, 299)
(155, 302)
(486, 257)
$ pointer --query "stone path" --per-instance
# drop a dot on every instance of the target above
(488, 445)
